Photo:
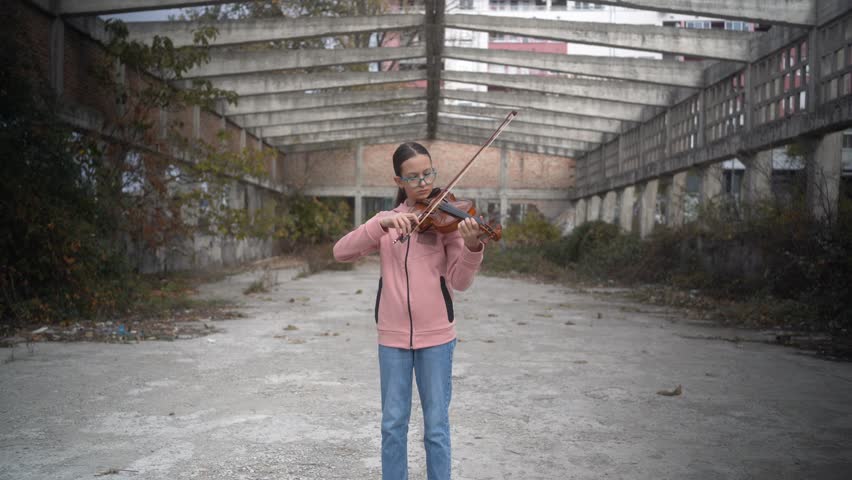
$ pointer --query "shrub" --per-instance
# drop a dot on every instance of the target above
(535, 230)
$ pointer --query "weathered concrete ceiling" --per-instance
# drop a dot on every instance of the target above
(719, 44)
(781, 12)
(583, 103)
(238, 32)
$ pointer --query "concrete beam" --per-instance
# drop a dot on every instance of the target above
(463, 192)
(520, 127)
(265, 83)
(327, 114)
(664, 72)
(295, 101)
(778, 12)
(101, 7)
(576, 105)
(542, 117)
(350, 134)
(236, 32)
(399, 137)
(718, 44)
(461, 128)
(241, 62)
(450, 136)
(340, 125)
(614, 90)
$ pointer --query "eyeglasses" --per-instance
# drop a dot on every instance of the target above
(415, 180)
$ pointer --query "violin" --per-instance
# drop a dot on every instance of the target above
(450, 212)
(443, 213)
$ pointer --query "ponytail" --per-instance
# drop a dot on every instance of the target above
(401, 196)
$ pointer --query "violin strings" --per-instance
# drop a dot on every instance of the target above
(437, 200)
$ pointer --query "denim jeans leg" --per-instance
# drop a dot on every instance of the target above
(433, 369)
(395, 369)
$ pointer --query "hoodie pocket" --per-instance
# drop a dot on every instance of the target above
(448, 300)
(378, 297)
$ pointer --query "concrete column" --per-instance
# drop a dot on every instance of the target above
(242, 139)
(274, 173)
(757, 180)
(504, 183)
(121, 79)
(824, 168)
(594, 206)
(648, 208)
(196, 121)
(711, 183)
(628, 199)
(57, 55)
(164, 123)
(677, 194)
(580, 212)
(608, 207)
(359, 198)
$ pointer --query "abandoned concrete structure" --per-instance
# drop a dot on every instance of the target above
(609, 138)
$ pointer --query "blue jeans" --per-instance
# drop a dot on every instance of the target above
(433, 368)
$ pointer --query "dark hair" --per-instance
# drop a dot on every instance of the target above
(404, 152)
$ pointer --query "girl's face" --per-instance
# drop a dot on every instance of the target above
(416, 177)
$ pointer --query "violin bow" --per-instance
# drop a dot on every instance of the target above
(440, 198)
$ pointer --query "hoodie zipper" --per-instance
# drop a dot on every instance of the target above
(408, 296)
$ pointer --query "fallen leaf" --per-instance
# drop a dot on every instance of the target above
(671, 393)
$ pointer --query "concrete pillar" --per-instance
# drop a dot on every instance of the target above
(824, 168)
(504, 182)
(164, 123)
(648, 208)
(196, 121)
(628, 199)
(359, 198)
(677, 194)
(580, 212)
(242, 139)
(757, 180)
(594, 206)
(711, 183)
(608, 207)
(57, 55)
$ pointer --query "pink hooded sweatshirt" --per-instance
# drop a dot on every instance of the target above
(414, 302)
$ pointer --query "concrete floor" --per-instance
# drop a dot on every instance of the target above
(538, 400)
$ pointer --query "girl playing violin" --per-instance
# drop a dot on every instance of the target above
(414, 311)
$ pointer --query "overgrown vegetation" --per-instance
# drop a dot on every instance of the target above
(777, 266)
(80, 208)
